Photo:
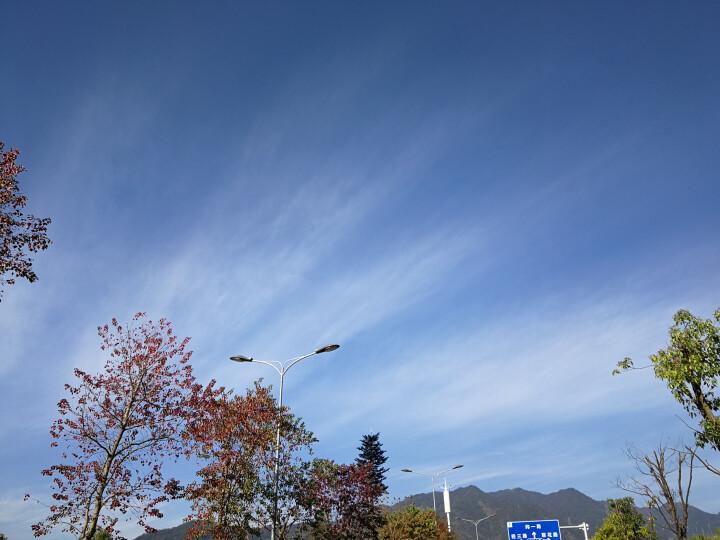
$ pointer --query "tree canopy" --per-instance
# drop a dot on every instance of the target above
(624, 522)
(235, 441)
(119, 426)
(20, 234)
(413, 523)
(690, 366)
(344, 502)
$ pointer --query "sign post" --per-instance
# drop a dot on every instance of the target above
(548, 529)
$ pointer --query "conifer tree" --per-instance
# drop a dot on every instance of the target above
(371, 451)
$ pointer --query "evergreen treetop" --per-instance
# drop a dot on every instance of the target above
(371, 451)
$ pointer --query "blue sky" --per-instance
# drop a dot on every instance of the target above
(486, 204)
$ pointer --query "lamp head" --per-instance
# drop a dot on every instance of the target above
(326, 348)
(405, 470)
(456, 467)
(240, 358)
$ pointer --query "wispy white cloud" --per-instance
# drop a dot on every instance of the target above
(483, 255)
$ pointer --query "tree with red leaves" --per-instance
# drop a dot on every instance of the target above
(236, 440)
(119, 426)
(19, 233)
(344, 501)
(232, 438)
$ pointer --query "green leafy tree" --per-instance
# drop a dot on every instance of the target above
(690, 366)
(293, 471)
(102, 534)
(413, 523)
(371, 451)
(624, 522)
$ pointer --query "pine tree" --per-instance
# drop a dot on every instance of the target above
(371, 451)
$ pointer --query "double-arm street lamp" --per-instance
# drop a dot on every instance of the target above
(281, 368)
(475, 522)
(432, 479)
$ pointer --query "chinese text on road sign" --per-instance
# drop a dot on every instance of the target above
(534, 530)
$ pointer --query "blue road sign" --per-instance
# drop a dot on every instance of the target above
(534, 530)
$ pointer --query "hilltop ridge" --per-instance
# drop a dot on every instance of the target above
(569, 506)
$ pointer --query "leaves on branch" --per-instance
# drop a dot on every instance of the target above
(20, 234)
(119, 426)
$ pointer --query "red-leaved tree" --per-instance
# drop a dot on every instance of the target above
(19, 234)
(234, 496)
(344, 501)
(233, 438)
(118, 426)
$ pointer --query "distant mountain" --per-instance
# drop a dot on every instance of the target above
(175, 533)
(568, 506)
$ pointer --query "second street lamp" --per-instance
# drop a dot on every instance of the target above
(475, 522)
(281, 368)
(432, 479)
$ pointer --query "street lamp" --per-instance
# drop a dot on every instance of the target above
(281, 368)
(475, 522)
(432, 479)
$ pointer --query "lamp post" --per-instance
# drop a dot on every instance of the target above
(432, 479)
(281, 368)
(475, 522)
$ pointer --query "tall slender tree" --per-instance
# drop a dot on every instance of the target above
(371, 451)
(660, 481)
(118, 427)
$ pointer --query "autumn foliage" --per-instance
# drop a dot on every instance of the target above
(344, 501)
(234, 440)
(19, 234)
(234, 494)
(117, 427)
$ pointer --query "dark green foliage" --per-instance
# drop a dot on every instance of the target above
(624, 522)
(413, 523)
(371, 451)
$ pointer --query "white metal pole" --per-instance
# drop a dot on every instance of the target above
(446, 501)
(281, 368)
(584, 526)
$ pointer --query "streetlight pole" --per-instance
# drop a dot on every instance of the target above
(432, 479)
(475, 522)
(281, 368)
